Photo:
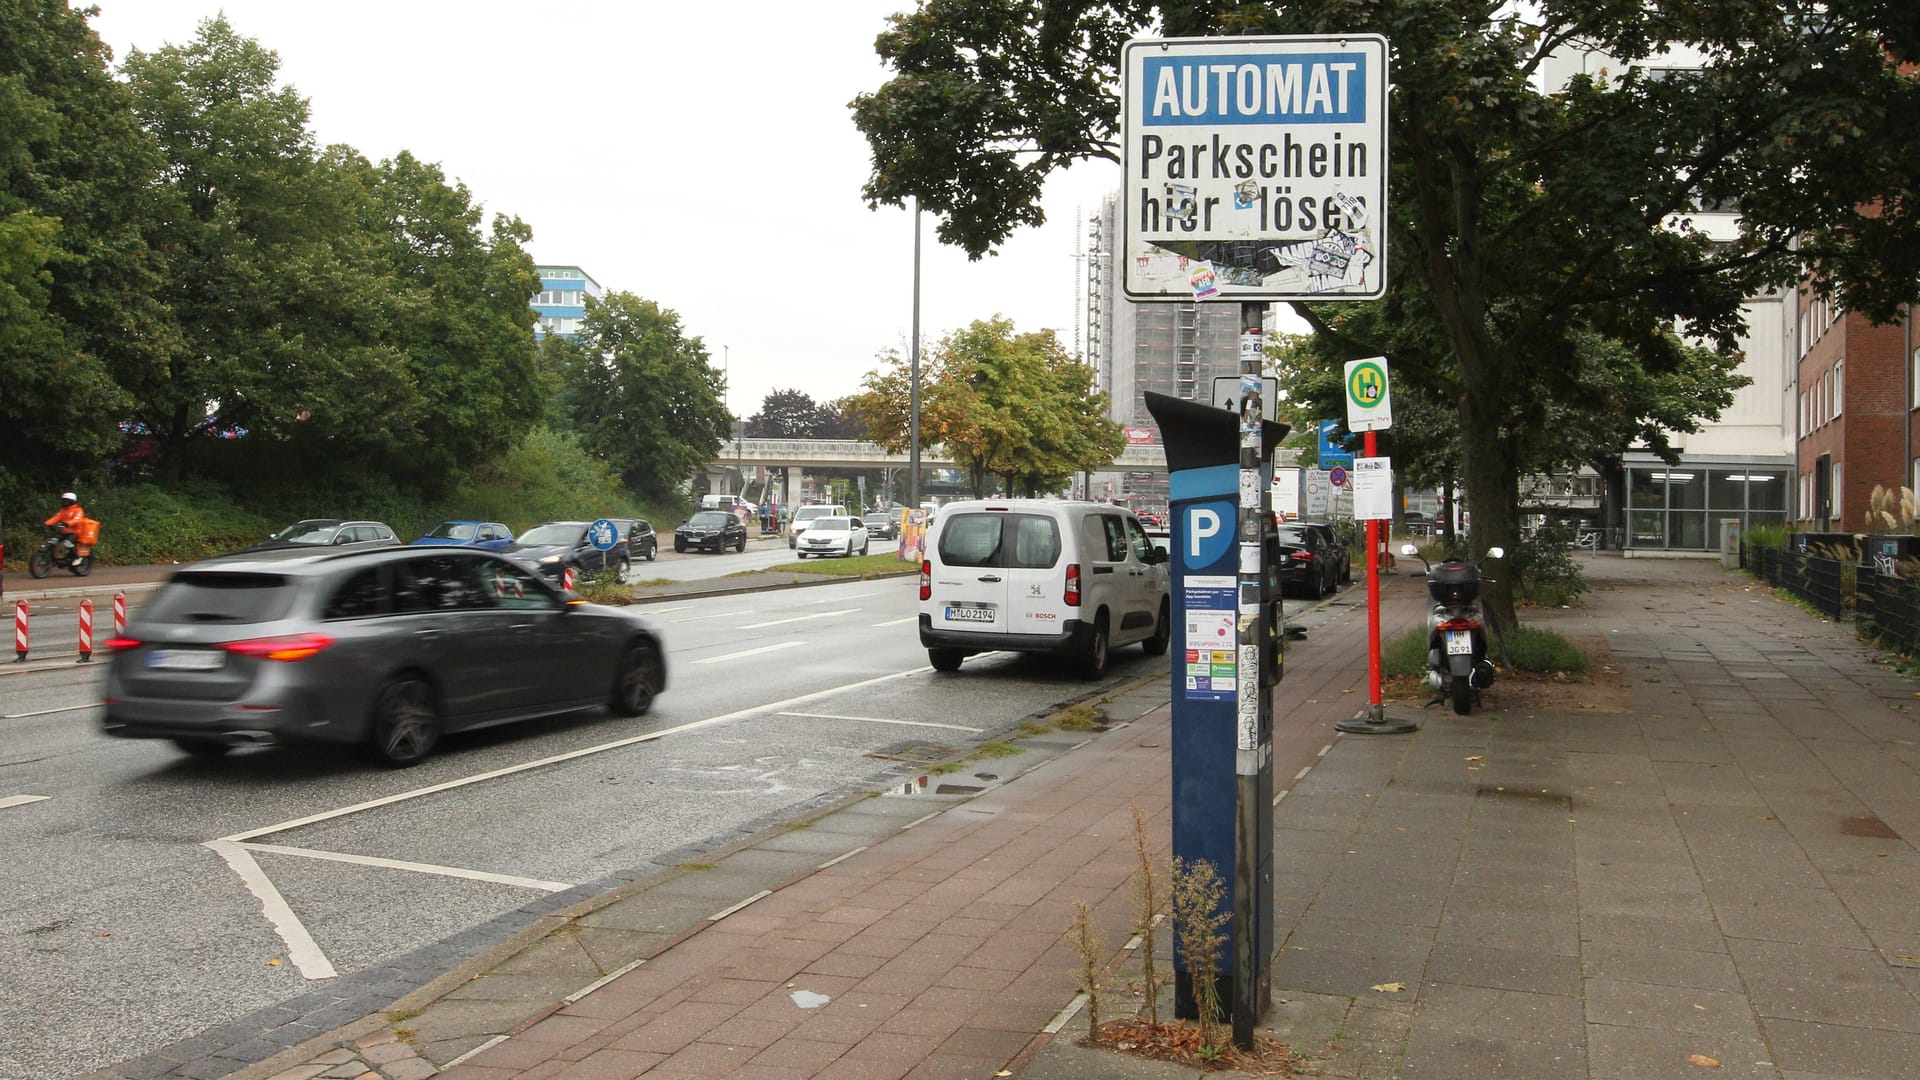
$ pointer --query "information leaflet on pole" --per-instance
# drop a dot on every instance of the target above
(1286, 493)
(1373, 489)
(1316, 488)
(1212, 670)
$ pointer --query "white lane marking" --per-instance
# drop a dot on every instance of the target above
(799, 618)
(1302, 774)
(1277, 798)
(476, 1051)
(921, 820)
(588, 751)
(897, 622)
(651, 610)
(841, 858)
(715, 615)
(50, 712)
(842, 596)
(724, 912)
(574, 997)
(1325, 750)
(1061, 1018)
(301, 948)
(22, 800)
(750, 652)
(883, 720)
(416, 867)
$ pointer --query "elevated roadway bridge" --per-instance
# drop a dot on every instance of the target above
(854, 454)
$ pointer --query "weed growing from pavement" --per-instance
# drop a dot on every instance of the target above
(1080, 717)
(1147, 903)
(1086, 945)
(996, 749)
(1199, 925)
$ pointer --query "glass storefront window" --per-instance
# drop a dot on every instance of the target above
(1727, 490)
(1687, 530)
(1767, 491)
(1649, 528)
(1687, 489)
(1647, 489)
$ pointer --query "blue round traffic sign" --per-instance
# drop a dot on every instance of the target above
(603, 534)
(1337, 476)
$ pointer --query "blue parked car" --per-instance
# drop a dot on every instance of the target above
(490, 535)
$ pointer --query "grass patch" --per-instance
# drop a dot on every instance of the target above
(401, 1016)
(996, 749)
(1031, 728)
(1537, 649)
(849, 566)
(1078, 718)
(946, 767)
(1534, 649)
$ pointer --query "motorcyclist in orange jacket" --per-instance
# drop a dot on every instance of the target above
(69, 516)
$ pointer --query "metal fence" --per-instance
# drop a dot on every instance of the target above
(1887, 608)
(1826, 584)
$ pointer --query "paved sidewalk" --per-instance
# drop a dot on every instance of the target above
(1712, 879)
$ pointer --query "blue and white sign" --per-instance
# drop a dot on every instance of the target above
(1209, 534)
(1332, 454)
(1255, 168)
(603, 534)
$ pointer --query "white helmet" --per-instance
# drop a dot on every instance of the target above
(69, 496)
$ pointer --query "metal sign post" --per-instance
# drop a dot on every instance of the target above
(1370, 409)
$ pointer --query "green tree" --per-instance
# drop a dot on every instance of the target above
(790, 414)
(1530, 224)
(77, 291)
(643, 396)
(1002, 403)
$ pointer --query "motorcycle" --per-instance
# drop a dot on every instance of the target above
(1457, 663)
(60, 550)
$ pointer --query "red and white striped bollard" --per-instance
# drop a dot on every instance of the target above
(19, 630)
(566, 579)
(86, 632)
(119, 614)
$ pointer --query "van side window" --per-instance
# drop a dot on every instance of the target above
(1115, 534)
(1138, 540)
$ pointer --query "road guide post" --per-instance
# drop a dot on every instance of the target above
(1255, 171)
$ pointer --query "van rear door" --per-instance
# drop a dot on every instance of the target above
(1036, 580)
(969, 580)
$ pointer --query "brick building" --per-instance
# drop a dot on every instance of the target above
(1856, 413)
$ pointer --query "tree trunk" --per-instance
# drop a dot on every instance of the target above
(1493, 498)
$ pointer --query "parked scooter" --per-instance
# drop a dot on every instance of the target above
(59, 551)
(1457, 661)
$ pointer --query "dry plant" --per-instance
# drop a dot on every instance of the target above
(1891, 510)
(1147, 903)
(1197, 924)
(1086, 945)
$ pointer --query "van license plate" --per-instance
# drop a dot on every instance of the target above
(1459, 643)
(187, 659)
(970, 613)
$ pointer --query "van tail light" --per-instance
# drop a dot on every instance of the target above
(1073, 585)
(926, 579)
(286, 649)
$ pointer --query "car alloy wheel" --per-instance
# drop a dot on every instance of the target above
(625, 573)
(406, 725)
(637, 680)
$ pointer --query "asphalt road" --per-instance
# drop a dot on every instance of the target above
(150, 896)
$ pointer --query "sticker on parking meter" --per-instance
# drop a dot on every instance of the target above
(1212, 670)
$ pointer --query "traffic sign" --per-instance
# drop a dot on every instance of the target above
(1369, 396)
(1337, 476)
(1332, 453)
(603, 534)
(1256, 168)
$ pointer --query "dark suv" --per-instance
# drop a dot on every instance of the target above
(640, 538)
(388, 649)
(552, 546)
(711, 530)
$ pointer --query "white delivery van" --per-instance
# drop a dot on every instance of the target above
(1034, 575)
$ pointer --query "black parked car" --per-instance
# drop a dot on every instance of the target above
(387, 649)
(552, 546)
(1309, 565)
(1342, 554)
(641, 542)
(711, 530)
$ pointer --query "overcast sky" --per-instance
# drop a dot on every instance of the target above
(701, 156)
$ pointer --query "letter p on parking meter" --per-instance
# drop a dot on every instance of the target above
(1203, 524)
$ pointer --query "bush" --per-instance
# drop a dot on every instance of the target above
(1533, 649)
(1543, 568)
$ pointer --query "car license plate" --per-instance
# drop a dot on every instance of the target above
(1459, 643)
(970, 613)
(187, 659)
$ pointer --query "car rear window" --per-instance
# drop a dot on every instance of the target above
(217, 597)
(1014, 541)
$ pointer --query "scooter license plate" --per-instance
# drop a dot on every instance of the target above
(1459, 643)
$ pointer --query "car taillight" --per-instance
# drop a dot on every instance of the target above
(1073, 585)
(289, 648)
(926, 579)
(122, 644)
(1303, 556)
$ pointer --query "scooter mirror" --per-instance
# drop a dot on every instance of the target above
(1409, 549)
(1496, 553)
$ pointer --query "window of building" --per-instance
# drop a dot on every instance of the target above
(1684, 508)
(1839, 388)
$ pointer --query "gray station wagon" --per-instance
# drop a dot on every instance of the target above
(387, 649)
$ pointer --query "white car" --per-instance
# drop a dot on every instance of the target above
(805, 516)
(834, 536)
(1045, 576)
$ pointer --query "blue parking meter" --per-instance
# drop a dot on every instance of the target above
(1212, 798)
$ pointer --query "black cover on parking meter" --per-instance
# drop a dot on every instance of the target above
(1203, 476)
